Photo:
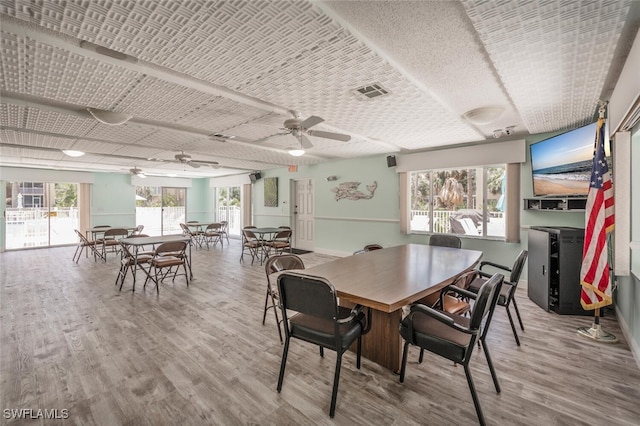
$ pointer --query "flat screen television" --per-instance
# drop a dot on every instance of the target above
(561, 165)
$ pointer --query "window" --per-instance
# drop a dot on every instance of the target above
(40, 214)
(468, 201)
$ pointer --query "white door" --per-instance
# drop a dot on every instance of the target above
(303, 214)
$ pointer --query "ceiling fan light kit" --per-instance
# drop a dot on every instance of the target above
(483, 115)
(296, 152)
(72, 153)
(111, 118)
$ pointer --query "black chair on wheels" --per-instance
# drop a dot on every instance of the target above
(454, 336)
(319, 320)
(283, 262)
(508, 291)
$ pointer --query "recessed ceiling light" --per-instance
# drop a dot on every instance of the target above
(296, 152)
(483, 115)
(72, 153)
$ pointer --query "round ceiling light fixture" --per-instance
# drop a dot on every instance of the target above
(296, 152)
(483, 115)
(72, 153)
(111, 118)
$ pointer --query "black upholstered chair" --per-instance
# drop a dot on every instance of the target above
(508, 291)
(283, 262)
(454, 336)
(319, 320)
(445, 240)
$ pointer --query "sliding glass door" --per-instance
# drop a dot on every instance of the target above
(229, 208)
(40, 214)
(160, 209)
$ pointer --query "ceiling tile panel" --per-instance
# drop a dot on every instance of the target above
(556, 65)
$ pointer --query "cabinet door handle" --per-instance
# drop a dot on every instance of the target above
(543, 270)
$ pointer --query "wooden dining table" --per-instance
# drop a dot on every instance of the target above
(388, 279)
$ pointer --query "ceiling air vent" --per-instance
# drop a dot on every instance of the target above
(371, 91)
(222, 136)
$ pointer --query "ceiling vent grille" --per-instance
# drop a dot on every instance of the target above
(371, 91)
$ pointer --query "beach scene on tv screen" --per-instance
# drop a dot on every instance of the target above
(562, 165)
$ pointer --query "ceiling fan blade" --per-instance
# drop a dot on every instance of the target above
(311, 121)
(192, 164)
(305, 142)
(270, 136)
(330, 135)
(205, 163)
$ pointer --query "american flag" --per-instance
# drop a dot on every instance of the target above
(599, 221)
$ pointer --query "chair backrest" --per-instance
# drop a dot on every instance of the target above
(283, 262)
(186, 230)
(171, 247)
(517, 268)
(445, 240)
(284, 227)
(192, 221)
(371, 247)
(248, 235)
(485, 301)
(138, 230)
(225, 225)
(283, 235)
(102, 226)
(309, 295)
(83, 239)
(214, 227)
(115, 232)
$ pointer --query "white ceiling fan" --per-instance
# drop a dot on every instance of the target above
(299, 129)
(183, 158)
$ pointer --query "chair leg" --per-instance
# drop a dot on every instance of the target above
(358, 352)
(336, 380)
(421, 356)
(321, 351)
(474, 395)
(283, 363)
(275, 312)
(490, 363)
(513, 326)
(80, 247)
(515, 305)
(403, 367)
(264, 315)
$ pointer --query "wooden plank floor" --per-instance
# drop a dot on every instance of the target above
(200, 355)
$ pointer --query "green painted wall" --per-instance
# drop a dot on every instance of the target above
(200, 201)
(113, 200)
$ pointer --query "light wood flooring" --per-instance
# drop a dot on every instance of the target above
(200, 355)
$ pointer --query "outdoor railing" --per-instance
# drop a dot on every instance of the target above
(231, 214)
(39, 227)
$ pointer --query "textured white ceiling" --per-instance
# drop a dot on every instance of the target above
(190, 69)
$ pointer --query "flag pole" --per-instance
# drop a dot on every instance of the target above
(595, 332)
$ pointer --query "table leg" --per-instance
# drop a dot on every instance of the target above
(383, 343)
